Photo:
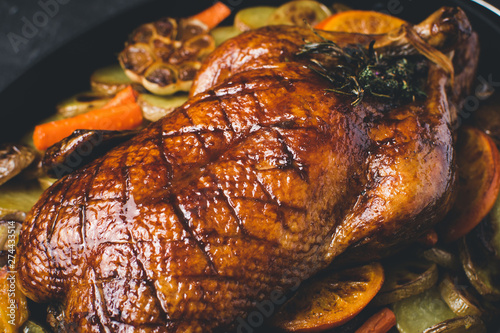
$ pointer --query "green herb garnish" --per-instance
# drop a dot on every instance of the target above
(360, 71)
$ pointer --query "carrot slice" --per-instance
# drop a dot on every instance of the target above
(121, 113)
(213, 15)
(478, 162)
(125, 96)
(381, 322)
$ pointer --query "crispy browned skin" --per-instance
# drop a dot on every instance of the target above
(259, 181)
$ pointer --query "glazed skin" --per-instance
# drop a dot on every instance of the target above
(259, 181)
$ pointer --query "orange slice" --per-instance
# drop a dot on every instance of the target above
(330, 300)
(361, 21)
(478, 162)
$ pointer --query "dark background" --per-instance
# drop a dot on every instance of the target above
(56, 22)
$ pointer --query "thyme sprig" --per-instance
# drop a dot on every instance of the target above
(359, 71)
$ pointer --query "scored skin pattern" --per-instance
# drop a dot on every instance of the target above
(242, 191)
(209, 220)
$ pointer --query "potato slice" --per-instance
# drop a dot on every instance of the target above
(221, 34)
(478, 163)
(253, 17)
(109, 80)
(81, 103)
(156, 107)
(330, 300)
(299, 12)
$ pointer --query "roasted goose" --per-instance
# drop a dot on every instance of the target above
(260, 180)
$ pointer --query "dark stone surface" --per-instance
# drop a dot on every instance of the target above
(30, 30)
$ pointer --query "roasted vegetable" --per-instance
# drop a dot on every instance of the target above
(165, 55)
(13, 159)
(221, 34)
(161, 65)
(109, 80)
(381, 322)
(81, 103)
(253, 17)
(330, 300)
(32, 327)
(482, 270)
(80, 148)
(156, 107)
(466, 324)
(213, 15)
(419, 312)
(458, 298)
(27, 139)
(405, 278)
(443, 258)
(301, 13)
(46, 181)
(120, 113)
